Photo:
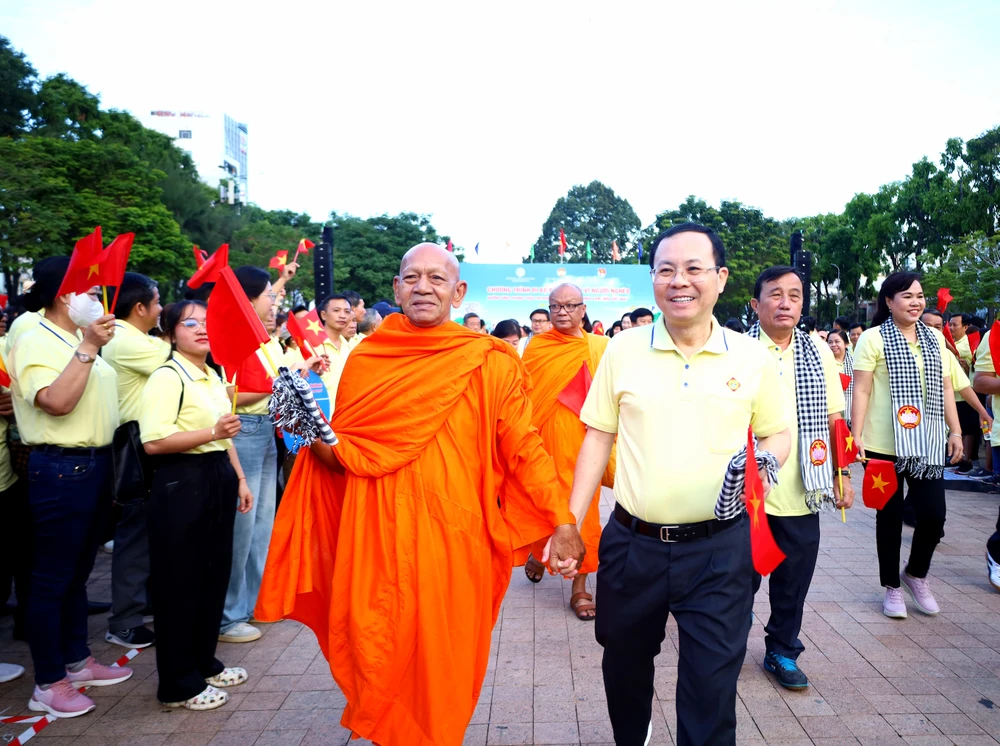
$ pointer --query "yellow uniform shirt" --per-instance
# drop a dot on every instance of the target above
(966, 356)
(680, 420)
(984, 364)
(205, 401)
(338, 358)
(39, 358)
(22, 324)
(878, 434)
(134, 356)
(788, 498)
(7, 475)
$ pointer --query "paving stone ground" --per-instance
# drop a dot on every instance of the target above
(922, 681)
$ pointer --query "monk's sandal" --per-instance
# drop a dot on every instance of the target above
(207, 700)
(229, 677)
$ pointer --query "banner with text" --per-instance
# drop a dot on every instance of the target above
(513, 291)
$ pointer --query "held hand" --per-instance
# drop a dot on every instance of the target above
(955, 450)
(318, 364)
(6, 404)
(228, 426)
(288, 271)
(987, 423)
(845, 500)
(860, 446)
(100, 332)
(765, 481)
(564, 551)
(246, 498)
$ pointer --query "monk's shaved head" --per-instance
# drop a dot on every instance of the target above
(428, 285)
(565, 290)
(566, 309)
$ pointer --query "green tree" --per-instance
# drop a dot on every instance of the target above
(18, 80)
(591, 213)
(972, 273)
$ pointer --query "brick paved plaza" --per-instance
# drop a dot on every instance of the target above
(922, 680)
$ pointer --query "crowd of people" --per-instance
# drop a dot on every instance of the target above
(459, 453)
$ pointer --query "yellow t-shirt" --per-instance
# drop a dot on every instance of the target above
(984, 364)
(788, 498)
(338, 358)
(680, 420)
(7, 475)
(22, 324)
(205, 401)
(39, 357)
(878, 434)
(134, 356)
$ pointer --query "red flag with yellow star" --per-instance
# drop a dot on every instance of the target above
(84, 269)
(312, 330)
(847, 448)
(208, 270)
(767, 555)
(880, 484)
(279, 260)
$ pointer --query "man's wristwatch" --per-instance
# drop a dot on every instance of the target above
(844, 472)
(83, 357)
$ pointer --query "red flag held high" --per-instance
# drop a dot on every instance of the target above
(84, 269)
(279, 260)
(313, 331)
(119, 251)
(562, 242)
(995, 343)
(210, 269)
(847, 449)
(304, 245)
(880, 483)
(974, 339)
(767, 555)
(615, 255)
(200, 257)
(450, 247)
(234, 330)
(575, 393)
(845, 381)
(944, 298)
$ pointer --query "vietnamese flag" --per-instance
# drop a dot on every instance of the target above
(845, 381)
(450, 247)
(200, 257)
(116, 263)
(847, 448)
(235, 332)
(210, 269)
(279, 260)
(251, 376)
(767, 555)
(946, 330)
(313, 331)
(575, 393)
(304, 245)
(84, 269)
(880, 483)
(974, 339)
(562, 242)
(615, 255)
(4, 375)
(944, 298)
(298, 334)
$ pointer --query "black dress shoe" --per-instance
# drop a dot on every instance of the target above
(98, 607)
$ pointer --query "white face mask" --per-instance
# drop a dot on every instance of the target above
(84, 310)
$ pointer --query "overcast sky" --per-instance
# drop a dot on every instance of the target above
(483, 115)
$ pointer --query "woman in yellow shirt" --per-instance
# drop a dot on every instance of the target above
(840, 345)
(66, 404)
(904, 412)
(198, 487)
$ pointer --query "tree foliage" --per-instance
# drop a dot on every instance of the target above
(591, 213)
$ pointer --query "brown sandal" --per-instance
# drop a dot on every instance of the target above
(533, 567)
(588, 605)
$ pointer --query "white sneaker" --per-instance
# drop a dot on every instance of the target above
(10, 671)
(991, 565)
(649, 733)
(241, 632)
(108, 547)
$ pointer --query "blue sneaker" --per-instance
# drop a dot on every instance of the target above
(786, 671)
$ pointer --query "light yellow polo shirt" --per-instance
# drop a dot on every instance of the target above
(878, 434)
(39, 357)
(134, 356)
(22, 324)
(338, 358)
(984, 364)
(788, 498)
(680, 420)
(7, 475)
(205, 401)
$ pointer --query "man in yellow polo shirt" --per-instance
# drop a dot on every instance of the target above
(967, 416)
(806, 483)
(134, 354)
(680, 397)
(336, 315)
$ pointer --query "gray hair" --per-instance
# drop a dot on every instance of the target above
(370, 321)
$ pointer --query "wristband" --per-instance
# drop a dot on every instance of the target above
(954, 435)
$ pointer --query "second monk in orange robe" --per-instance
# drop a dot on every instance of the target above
(396, 545)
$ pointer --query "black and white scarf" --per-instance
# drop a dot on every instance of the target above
(849, 392)
(813, 418)
(730, 503)
(294, 409)
(918, 422)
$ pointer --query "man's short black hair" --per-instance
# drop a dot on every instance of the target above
(933, 312)
(135, 289)
(844, 322)
(471, 316)
(718, 249)
(856, 324)
(322, 305)
(640, 313)
(808, 324)
(735, 325)
(770, 275)
(966, 318)
(299, 309)
(352, 298)
(539, 310)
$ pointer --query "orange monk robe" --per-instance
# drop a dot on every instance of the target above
(400, 565)
(554, 359)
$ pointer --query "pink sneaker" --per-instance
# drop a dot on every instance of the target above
(97, 674)
(920, 589)
(61, 700)
(893, 606)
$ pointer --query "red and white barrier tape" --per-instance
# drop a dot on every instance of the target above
(42, 721)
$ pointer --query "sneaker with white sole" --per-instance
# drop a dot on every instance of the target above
(241, 632)
(97, 674)
(135, 638)
(920, 589)
(893, 605)
(61, 700)
(992, 567)
(10, 671)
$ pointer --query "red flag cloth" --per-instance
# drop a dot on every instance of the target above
(299, 335)
(84, 269)
(4, 375)
(995, 343)
(279, 260)
(304, 245)
(847, 449)
(575, 393)
(767, 555)
(313, 331)
(845, 381)
(944, 298)
(209, 270)
(946, 330)
(974, 339)
(880, 483)
(252, 377)
(598, 328)
(615, 256)
(117, 263)
(3, 301)
(234, 330)
(450, 247)
(200, 257)
(562, 242)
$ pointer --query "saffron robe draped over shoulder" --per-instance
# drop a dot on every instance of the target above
(400, 564)
(554, 360)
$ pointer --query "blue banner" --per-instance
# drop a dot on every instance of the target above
(293, 442)
(513, 291)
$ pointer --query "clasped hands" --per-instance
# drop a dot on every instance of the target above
(564, 551)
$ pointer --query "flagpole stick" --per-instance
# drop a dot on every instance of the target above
(105, 289)
(843, 513)
(274, 368)
(236, 393)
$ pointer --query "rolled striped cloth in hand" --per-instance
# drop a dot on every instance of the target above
(293, 409)
(730, 504)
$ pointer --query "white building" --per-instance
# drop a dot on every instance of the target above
(217, 144)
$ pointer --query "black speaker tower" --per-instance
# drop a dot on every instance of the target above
(323, 265)
(802, 262)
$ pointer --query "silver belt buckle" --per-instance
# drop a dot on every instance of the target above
(665, 534)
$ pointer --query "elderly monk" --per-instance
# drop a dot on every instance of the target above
(562, 362)
(396, 545)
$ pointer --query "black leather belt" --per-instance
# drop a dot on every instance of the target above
(60, 451)
(672, 534)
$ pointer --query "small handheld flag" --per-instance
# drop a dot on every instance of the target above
(847, 454)
(279, 260)
(845, 381)
(562, 242)
(974, 338)
(994, 344)
(880, 483)
(943, 299)
(200, 257)
(767, 555)
(451, 248)
(949, 338)
(210, 268)
(615, 255)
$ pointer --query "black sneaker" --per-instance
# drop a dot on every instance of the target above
(135, 638)
(786, 670)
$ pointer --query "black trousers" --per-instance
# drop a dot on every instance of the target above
(191, 512)
(798, 537)
(129, 567)
(927, 498)
(15, 556)
(706, 585)
(993, 543)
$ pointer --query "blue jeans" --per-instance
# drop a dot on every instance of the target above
(69, 496)
(258, 455)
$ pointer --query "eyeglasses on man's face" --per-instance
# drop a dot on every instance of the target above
(568, 307)
(666, 273)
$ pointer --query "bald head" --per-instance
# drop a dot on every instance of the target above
(428, 285)
(566, 309)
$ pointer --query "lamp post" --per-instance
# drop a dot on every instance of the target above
(838, 287)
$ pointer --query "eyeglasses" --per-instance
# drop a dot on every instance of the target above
(568, 307)
(666, 274)
(194, 324)
(272, 296)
